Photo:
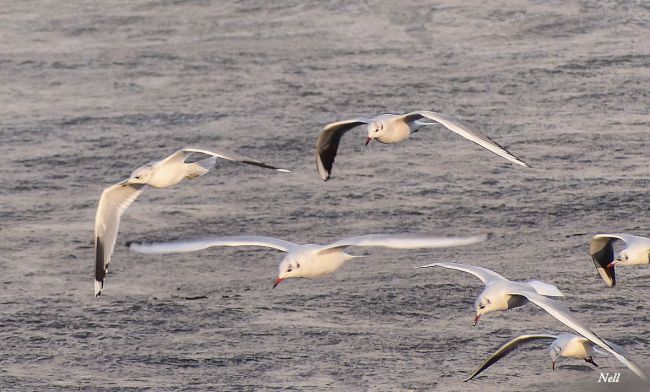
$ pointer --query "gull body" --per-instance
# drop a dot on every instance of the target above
(565, 345)
(500, 292)
(572, 346)
(310, 260)
(158, 174)
(391, 128)
(605, 258)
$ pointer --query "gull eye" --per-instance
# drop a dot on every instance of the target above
(289, 269)
(481, 306)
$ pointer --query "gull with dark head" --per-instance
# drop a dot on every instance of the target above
(565, 345)
(158, 174)
(310, 260)
(601, 249)
(502, 294)
(393, 128)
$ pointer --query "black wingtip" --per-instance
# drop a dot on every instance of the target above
(100, 270)
(128, 244)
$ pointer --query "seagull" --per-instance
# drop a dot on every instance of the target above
(392, 128)
(601, 249)
(158, 174)
(310, 260)
(565, 345)
(502, 294)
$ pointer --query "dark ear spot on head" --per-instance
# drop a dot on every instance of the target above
(297, 265)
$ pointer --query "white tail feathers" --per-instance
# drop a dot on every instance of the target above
(201, 167)
(545, 288)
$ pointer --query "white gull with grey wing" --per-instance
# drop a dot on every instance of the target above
(158, 174)
(605, 258)
(310, 260)
(564, 345)
(393, 128)
(502, 294)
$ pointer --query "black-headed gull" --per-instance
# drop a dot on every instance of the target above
(601, 249)
(565, 345)
(502, 294)
(392, 128)
(310, 261)
(158, 174)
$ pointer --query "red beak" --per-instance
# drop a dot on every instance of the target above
(368, 140)
(478, 316)
(277, 281)
(611, 265)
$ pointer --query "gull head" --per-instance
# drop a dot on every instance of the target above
(630, 256)
(619, 258)
(375, 130)
(554, 351)
(141, 175)
(484, 305)
(289, 268)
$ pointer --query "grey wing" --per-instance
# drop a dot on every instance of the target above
(484, 274)
(328, 144)
(467, 131)
(112, 203)
(406, 241)
(507, 349)
(601, 250)
(204, 243)
(563, 315)
(186, 152)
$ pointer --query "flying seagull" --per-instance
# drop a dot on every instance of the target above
(502, 294)
(565, 345)
(601, 249)
(310, 260)
(393, 128)
(158, 174)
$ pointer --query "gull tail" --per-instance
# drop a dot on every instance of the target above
(545, 288)
(201, 167)
(599, 351)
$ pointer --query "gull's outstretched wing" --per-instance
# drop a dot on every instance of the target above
(112, 203)
(507, 349)
(183, 154)
(484, 274)
(601, 250)
(406, 241)
(328, 143)
(563, 315)
(204, 243)
(466, 131)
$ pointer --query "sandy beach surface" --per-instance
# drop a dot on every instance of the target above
(91, 90)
